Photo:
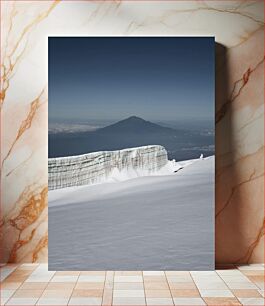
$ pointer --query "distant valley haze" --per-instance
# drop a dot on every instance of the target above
(131, 132)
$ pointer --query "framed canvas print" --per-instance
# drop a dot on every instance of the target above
(131, 153)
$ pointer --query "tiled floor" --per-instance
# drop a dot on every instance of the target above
(33, 284)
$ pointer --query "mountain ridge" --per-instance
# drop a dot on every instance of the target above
(129, 133)
(134, 124)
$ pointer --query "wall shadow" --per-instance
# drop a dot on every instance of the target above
(224, 152)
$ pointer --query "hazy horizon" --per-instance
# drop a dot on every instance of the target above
(75, 125)
(155, 120)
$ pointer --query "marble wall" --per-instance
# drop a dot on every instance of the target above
(238, 28)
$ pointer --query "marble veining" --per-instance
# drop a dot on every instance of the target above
(238, 27)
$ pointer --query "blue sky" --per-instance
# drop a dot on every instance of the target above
(111, 78)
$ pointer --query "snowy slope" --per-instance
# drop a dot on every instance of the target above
(163, 222)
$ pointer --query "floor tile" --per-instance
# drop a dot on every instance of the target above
(184, 293)
(205, 278)
(3, 300)
(34, 286)
(67, 273)
(188, 301)
(22, 301)
(85, 301)
(225, 266)
(8, 265)
(179, 278)
(56, 294)
(128, 293)
(261, 292)
(89, 285)
(256, 278)
(211, 285)
(109, 283)
(216, 293)
(235, 278)
(128, 279)
(128, 273)
(232, 272)
(87, 293)
(203, 273)
(60, 286)
(182, 286)
(155, 278)
(241, 285)
(6, 293)
(29, 266)
(6, 271)
(159, 301)
(253, 272)
(64, 279)
(32, 293)
(260, 285)
(91, 278)
(128, 286)
(215, 301)
(53, 301)
(39, 279)
(107, 297)
(10, 285)
(111, 273)
(152, 273)
(95, 273)
(44, 266)
(252, 301)
(21, 272)
(128, 301)
(251, 267)
(15, 278)
(172, 273)
(156, 286)
(157, 293)
(242, 293)
(41, 270)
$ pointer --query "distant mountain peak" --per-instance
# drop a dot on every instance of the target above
(133, 121)
(134, 118)
(136, 125)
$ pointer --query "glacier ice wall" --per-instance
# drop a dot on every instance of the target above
(96, 167)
